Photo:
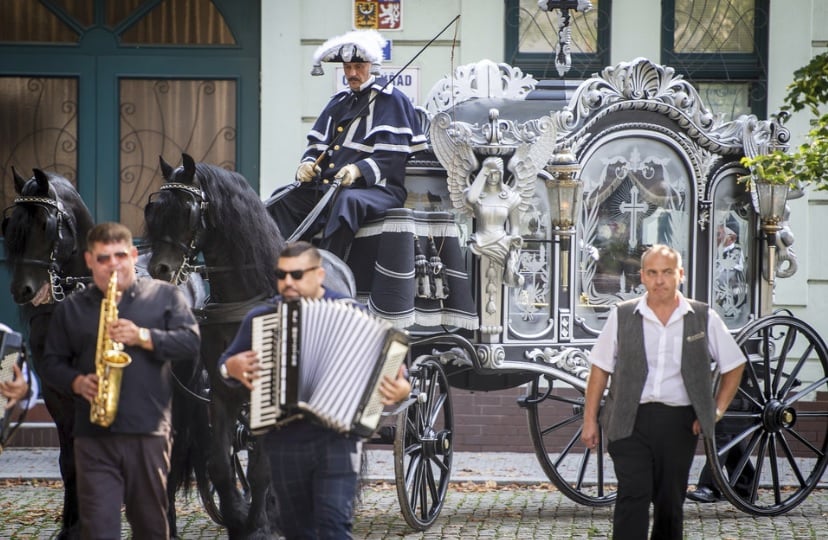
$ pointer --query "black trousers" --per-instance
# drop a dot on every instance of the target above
(652, 466)
(128, 470)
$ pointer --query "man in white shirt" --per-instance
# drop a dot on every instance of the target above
(658, 349)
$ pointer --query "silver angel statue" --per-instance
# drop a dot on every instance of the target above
(495, 199)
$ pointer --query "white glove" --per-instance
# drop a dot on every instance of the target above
(306, 171)
(348, 174)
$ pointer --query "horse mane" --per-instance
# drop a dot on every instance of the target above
(251, 238)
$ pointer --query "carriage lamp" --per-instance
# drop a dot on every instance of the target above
(771, 200)
(564, 190)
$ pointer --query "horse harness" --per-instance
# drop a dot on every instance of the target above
(61, 228)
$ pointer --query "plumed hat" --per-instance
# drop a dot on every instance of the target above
(356, 46)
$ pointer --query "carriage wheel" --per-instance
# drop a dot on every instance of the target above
(207, 491)
(777, 426)
(423, 447)
(555, 410)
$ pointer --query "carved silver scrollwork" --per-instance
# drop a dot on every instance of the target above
(484, 79)
(455, 356)
(572, 363)
(491, 356)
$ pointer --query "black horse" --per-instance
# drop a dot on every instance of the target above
(45, 238)
(205, 210)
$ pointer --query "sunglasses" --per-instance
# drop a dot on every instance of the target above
(295, 274)
(103, 258)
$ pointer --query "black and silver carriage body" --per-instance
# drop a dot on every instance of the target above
(555, 189)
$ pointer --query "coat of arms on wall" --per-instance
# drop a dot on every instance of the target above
(378, 14)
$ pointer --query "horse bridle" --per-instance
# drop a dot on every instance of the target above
(199, 207)
(199, 212)
(58, 219)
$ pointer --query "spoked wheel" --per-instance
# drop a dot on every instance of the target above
(238, 459)
(556, 413)
(774, 436)
(423, 446)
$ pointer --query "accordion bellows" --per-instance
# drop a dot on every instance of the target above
(323, 359)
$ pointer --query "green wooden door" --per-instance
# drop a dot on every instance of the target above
(97, 90)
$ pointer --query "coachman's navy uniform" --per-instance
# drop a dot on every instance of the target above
(379, 142)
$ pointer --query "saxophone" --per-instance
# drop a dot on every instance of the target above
(110, 361)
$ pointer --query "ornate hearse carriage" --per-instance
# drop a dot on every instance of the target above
(527, 219)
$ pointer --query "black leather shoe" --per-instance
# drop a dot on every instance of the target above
(704, 494)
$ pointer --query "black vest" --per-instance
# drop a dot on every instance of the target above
(618, 415)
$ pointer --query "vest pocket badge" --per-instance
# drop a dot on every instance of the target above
(695, 337)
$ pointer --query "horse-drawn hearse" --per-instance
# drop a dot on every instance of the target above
(524, 225)
(580, 179)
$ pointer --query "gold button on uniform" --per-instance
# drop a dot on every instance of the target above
(339, 129)
(336, 147)
(331, 165)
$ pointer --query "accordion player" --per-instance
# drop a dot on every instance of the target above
(323, 359)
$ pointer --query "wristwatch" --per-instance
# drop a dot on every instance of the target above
(719, 415)
(223, 371)
(143, 335)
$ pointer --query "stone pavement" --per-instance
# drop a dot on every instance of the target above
(496, 495)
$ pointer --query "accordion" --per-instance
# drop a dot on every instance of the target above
(11, 347)
(323, 359)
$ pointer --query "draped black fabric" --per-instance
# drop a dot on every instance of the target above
(382, 258)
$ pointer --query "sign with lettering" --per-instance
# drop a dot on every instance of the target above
(378, 14)
(408, 81)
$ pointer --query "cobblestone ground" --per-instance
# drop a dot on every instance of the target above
(28, 510)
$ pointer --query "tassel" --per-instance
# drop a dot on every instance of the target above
(421, 271)
(438, 271)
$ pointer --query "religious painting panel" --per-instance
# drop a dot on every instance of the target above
(638, 191)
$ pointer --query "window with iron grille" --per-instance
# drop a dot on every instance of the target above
(532, 35)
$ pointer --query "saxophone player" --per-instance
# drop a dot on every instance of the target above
(150, 322)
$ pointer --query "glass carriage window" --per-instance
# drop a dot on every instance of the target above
(637, 192)
(530, 309)
(39, 128)
(732, 226)
(167, 117)
(723, 44)
(532, 34)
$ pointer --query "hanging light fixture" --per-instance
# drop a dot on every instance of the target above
(563, 56)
